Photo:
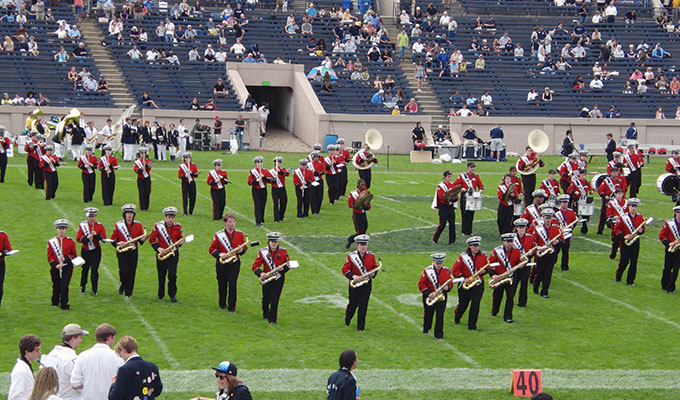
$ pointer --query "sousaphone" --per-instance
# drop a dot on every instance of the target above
(539, 143)
(374, 141)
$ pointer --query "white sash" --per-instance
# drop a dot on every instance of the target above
(569, 167)
(630, 163)
(467, 180)
(517, 244)
(267, 257)
(276, 175)
(356, 260)
(217, 178)
(500, 252)
(432, 276)
(525, 159)
(187, 172)
(617, 207)
(628, 221)
(533, 211)
(443, 187)
(467, 260)
(550, 187)
(141, 166)
(503, 188)
(258, 177)
(38, 150)
(48, 160)
(85, 227)
(675, 164)
(224, 239)
(612, 163)
(56, 248)
(561, 218)
(2, 146)
(301, 177)
(543, 233)
(86, 163)
(122, 228)
(105, 162)
(673, 226)
(329, 161)
(610, 183)
(581, 188)
(163, 231)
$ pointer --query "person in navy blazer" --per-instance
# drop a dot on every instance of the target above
(137, 378)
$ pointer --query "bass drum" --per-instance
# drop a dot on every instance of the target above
(668, 184)
(597, 181)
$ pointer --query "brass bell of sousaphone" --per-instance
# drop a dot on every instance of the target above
(539, 143)
(73, 117)
(374, 141)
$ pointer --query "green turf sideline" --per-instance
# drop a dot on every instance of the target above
(294, 380)
(451, 347)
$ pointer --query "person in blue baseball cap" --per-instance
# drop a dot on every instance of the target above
(231, 387)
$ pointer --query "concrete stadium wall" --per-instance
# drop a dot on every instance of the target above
(586, 130)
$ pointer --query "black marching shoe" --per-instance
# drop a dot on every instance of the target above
(173, 299)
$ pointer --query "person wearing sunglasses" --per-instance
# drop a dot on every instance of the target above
(231, 387)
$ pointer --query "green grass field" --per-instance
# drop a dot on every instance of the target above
(593, 338)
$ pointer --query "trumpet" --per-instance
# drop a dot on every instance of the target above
(124, 247)
(439, 292)
(233, 254)
(636, 233)
(267, 277)
(475, 279)
(548, 247)
(505, 276)
(365, 278)
(170, 251)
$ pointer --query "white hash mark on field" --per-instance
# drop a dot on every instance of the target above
(408, 319)
(334, 300)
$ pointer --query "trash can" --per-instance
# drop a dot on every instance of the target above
(330, 139)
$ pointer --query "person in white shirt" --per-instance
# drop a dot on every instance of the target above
(464, 112)
(444, 19)
(237, 48)
(151, 56)
(107, 133)
(96, 367)
(21, 378)
(172, 58)
(610, 12)
(596, 83)
(134, 53)
(264, 114)
(90, 133)
(169, 31)
(63, 358)
(183, 137)
(578, 52)
(221, 56)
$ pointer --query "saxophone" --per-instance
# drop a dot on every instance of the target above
(365, 278)
(475, 279)
(124, 247)
(170, 251)
(233, 254)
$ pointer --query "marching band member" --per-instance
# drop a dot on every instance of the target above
(566, 170)
(126, 230)
(162, 237)
(334, 163)
(616, 209)
(258, 178)
(550, 186)
(88, 163)
(319, 168)
(217, 179)
(361, 157)
(4, 146)
(302, 179)
(357, 264)
(467, 264)
(315, 149)
(268, 260)
(670, 237)
(48, 164)
(432, 278)
(547, 233)
(90, 233)
(579, 189)
(634, 161)
(358, 214)
(225, 242)
(507, 257)
(566, 217)
(582, 162)
(446, 209)
(342, 181)
(530, 157)
(5, 247)
(470, 182)
(279, 194)
(109, 134)
(512, 171)
(108, 165)
(505, 208)
(532, 212)
(624, 229)
(35, 149)
(61, 250)
(673, 163)
(606, 191)
(618, 159)
(187, 173)
(142, 168)
(524, 242)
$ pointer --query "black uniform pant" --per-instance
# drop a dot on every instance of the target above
(473, 298)
(127, 269)
(259, 201)
(2, 279)
(89, 182)
(447, 214)
(529, 185)
(629, 259)
(219, 199)
(332, 182)
(603, 216)
(358, 298)
(544, 270)
(280, 200)
(3, 166)
(467, 217)
(616, 243)
(144, 189)
(497, 298)
(522, 283)
(564, 249)
(303, 201)
(317, 197)
(342, 182)
(189, 196)
(437, 311)
(365, 174)
(227, 276)
(671, 266)
(504, 218)
(565, 185)
(35, 173)
(108, 187)
(51, 184)
(92, 260)
(271, 293)
(60, 284)
(634, 181)
(360, 225)
(167, 267)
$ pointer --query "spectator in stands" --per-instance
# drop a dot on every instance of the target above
(125, 12)
(74, 33)
(402, 43)
(480, 63)
(610, 12)
(221, 55)
(61, 57)
(327, 87)
(612, 113)
(677, 113)
(219, 88)
(134, 54)
(209, 54)
(662, 85)
(210, 105)
(172, 59)
(674, 86)
(659, 113)
(194, 55)
(30, 99)
(417, 50)
(169, 29)
(378, 97)
(146, 101)
(595, 112)
(311, 11)
(596, 84)
(411, 107)
(291, 27)
(578, 52)
(420, 74)
(628, 88)
(42, 100)
(194, 106)
(306, 28)
(356, 75)
(237, 49)
(152, 56)
(249, 59)
(89, 84)
(532, 97)
(80, 52)
(659, 52)
(404, 18)
(464, 111)
(102, 85)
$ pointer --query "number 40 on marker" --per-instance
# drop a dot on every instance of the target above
(526, 382)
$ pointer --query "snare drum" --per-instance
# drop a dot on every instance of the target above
(597, 181)
(474, 202)
(517, 209)
(585, 209)
(668, 184)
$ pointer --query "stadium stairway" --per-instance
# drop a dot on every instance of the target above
(118, 88)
